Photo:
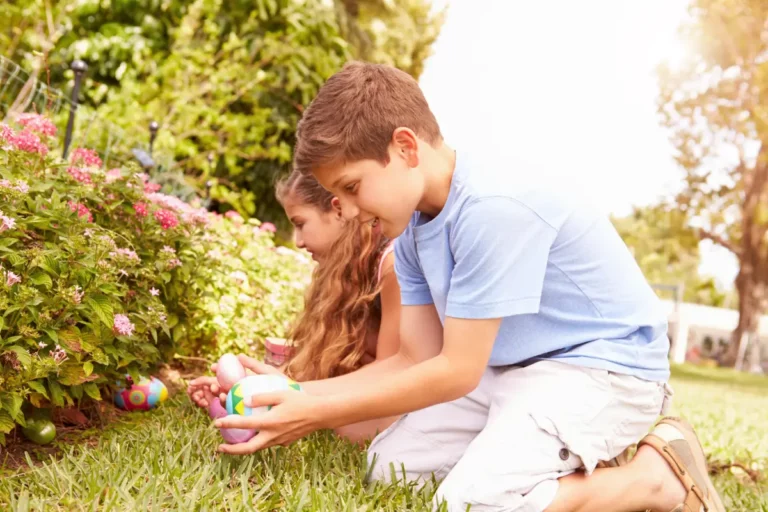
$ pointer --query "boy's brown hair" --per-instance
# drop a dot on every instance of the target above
(354, 114)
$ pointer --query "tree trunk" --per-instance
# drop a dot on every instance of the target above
(751, 305)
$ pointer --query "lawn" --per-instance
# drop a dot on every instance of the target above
(165, 460)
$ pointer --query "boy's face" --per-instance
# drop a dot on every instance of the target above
(383, 195)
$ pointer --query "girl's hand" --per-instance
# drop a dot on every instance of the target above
(258, 367)
(201, 388)
(294, 415)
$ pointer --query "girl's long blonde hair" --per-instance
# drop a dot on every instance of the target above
(341, 305)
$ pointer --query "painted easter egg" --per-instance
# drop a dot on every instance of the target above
(244, 389)
(142, 396)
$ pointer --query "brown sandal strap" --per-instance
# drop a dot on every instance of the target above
(694, 499)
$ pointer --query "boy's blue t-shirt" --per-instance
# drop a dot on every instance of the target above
(559, 275)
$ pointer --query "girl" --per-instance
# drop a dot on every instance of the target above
(352, 307)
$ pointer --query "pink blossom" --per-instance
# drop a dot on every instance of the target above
(268, 226)
(150, 188)
(175, 262)
(199, 216)
(81, 175)
(122, 325)
(140, 209)
(21, 186)
(113, 175)
(154, 291)
(11, 278)
(88, 233)
(59, 355)
(128, 254)
(37, 123)
(6, 223)
(25, 141)
(168, 249)
(87, 157)
(166, 218)
(168, 202)
(233, 216)
(81, 209)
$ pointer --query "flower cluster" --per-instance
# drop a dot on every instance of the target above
(189, 214)
(113, 175)
(6, 222)
(140, 208)
(81, 209)
(25, 140)
(86, 157)
(38, 124)
(81, 175)
(127, 255)
(122, 325)
(166, 218)
(21, 186)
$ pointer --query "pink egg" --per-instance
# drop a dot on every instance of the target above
(237, 435)
(229, 371)
(216, 410)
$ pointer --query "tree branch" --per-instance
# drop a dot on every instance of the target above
(719, 240)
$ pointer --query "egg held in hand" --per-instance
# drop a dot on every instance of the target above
(247, 387)
(229, 370)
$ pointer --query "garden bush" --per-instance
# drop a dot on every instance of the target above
(102, 275)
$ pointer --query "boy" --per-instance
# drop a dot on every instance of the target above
(532, 347)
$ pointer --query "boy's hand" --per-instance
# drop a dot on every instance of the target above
(294, 415)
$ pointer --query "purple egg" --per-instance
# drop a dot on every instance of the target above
(216, 410)
(237, 435)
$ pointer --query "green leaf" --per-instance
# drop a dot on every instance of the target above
(92, 391)
(52, 334)
(12, 403)
(15, 259)
(103, 308)
(6, 422)
(77, 391)
(100, 357)
(57, 394)
(39, 387)
(49, 265)
(21, 354)
(41, 279)
(166, 276)
(88, 368)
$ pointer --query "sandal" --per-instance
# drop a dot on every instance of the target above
(675, 440)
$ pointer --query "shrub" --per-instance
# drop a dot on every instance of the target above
(103, 275)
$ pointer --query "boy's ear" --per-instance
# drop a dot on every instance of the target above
(336, 205)
(407, 145)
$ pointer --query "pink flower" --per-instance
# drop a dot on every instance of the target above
(87, 157)
(11, 278)
(166, 218)
(21, 186)
(128, 254)
(268, 226)
(150, 188)
(37, 123)
(6, 223)
(175, 262)
(59, 355)
(168, 249)
(122, 326)
(25, 141)
(81, 209)
(168, 202)
(140, 209)
(233, 216)
(154, 291)
(199, 216)
(77, 295)
(81, 175)
(113, 175)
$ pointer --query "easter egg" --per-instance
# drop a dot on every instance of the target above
(39, 431)
(142, 396)
(246, 388)
(229, 370)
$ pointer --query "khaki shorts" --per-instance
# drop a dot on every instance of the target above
(505, 445)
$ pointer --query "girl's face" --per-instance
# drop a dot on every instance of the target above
(315, 230)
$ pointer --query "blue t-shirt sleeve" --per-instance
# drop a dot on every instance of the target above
(414, 290)
(500, 249)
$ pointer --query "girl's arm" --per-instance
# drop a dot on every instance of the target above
(389, 330)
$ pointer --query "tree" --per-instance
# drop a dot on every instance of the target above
(667, 251)
(714, 105)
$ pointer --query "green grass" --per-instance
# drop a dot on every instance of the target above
(165, 460)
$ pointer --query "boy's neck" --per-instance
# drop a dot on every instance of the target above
(438, 165)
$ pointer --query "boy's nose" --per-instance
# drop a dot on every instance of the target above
(349, 210)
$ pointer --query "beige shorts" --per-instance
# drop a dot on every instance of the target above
(505, 445)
